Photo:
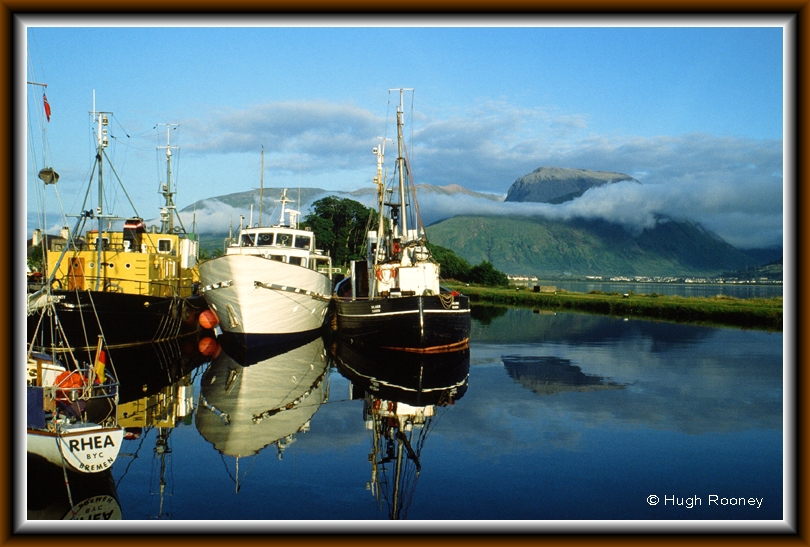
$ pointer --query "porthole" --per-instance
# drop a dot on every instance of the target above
(127, 265)
(92, 265)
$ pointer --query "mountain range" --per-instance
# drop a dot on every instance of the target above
(479, 226)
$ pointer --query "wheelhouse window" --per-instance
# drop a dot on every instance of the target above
(247, 240)
(164, 245)
(302, 242)
(284, 240)
(266, 238)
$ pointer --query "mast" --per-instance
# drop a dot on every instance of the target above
(284, 201)
(401, 161)
(102, 121)
(261, 190)
(379, 181)
(169, 209)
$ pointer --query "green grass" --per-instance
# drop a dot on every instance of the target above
(751, 313)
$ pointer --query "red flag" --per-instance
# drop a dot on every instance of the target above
(47, 107)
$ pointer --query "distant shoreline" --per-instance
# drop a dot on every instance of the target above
(747, 313)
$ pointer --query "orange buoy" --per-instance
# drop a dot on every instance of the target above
(208, 319)
(207, 346)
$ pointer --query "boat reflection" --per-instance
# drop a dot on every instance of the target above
(401, 392)
(57, 493)
(547, 375)
(243, 409)
(147, 368)
(163, 402)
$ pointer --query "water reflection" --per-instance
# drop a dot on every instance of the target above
(244, 409)
(400, 393)
(565, 416)
(548, 375)
(55, 493)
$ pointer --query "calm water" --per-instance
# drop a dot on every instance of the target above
(548, 417)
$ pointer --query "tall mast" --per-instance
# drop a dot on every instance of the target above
(168, 211)
(380, 182)
(401, 161)
(261, 190)
(102, 121)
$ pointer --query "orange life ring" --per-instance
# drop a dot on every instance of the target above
(392, 273)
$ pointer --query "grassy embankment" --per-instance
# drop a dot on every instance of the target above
(752, 313)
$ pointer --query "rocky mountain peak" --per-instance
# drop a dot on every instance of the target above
(560, 184)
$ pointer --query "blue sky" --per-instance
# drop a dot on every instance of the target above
(695, 113)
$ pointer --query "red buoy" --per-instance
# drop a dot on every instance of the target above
(208, 319)
(207, 346)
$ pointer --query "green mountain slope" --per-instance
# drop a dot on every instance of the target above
(538, 246)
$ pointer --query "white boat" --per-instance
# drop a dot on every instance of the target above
(271, 282)
(72, 414)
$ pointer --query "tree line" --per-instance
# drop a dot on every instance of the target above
(340, 226)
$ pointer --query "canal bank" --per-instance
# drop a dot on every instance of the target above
(750, 313)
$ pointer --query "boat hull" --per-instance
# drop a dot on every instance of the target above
(123, 318)
(86, 448)
(254, 295)
(424, 323)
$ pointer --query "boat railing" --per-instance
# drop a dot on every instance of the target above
(74, 397)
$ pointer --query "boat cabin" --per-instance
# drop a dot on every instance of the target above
(131, 260)
(283, 244)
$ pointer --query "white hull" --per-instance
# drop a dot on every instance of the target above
(254, 295)
(87, 448)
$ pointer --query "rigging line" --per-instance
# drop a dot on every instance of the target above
(228, 471)
(120, 182)
(132, 460)
(64, 469)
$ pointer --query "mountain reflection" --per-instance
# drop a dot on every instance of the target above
(400, 393)
(550, 375)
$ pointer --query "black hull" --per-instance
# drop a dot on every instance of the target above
(410, 323)
(417, 379)
(124, 319)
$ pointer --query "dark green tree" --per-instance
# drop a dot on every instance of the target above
(452, 265)
(36, 262)
(340, 226)
(486, 274)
